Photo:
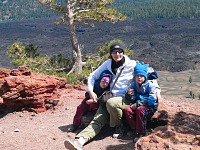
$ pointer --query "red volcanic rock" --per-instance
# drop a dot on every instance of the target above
(22, 89)
(80, 87)
(21, 70)
(4, 72)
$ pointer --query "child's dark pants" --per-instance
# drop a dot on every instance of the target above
(138, 118)
(82, 109)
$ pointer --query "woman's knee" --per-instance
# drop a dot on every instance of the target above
(112, 102)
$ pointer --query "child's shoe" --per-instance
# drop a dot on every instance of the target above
(72, 128)
(138, 136)
(130, 133)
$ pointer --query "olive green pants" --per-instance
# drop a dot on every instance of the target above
(115, 107)
(113, 111)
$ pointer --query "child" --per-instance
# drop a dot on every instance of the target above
(101, 85)
(143, 98)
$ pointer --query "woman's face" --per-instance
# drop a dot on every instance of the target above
(117, 55)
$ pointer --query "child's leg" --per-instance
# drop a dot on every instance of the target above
(142, 113)
(93, 106)
(80, 111)
(129, 113)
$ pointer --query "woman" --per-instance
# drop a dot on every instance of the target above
(118, 62)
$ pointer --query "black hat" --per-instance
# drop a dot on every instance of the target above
(116, 46)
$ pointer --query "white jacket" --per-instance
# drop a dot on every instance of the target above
(123, 82)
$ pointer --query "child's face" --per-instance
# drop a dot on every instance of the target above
(103, 84)
(139, 79)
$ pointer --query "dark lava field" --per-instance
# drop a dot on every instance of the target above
(168, 44)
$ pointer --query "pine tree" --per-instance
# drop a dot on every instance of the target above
(85, 12)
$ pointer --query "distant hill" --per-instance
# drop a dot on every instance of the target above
(22, 9)
(134, 9)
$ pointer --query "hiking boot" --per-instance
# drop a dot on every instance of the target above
(73, 145)
(138, 136)
(72, 128)
(130, 133)
(119, 131)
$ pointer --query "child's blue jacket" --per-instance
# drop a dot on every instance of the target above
(144, 95)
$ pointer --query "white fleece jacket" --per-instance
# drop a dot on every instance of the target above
(123, 82)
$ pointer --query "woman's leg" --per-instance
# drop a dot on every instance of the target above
(115, 107)
(100, 119)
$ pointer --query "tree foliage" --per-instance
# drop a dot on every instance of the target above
(138, 9)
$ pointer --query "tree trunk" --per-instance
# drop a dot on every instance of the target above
(77, 56)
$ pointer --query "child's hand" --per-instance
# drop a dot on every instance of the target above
(133, 107)
(90, 101)
(130, 91)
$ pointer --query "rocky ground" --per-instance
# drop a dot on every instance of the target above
(48, 130)
(176, 124)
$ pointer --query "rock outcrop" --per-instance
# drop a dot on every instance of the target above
(22, 89)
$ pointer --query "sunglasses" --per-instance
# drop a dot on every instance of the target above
(117, 51)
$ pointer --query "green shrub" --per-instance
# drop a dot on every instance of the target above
(191, 93)
(193, 96)
(190, 79)
(58, 65)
